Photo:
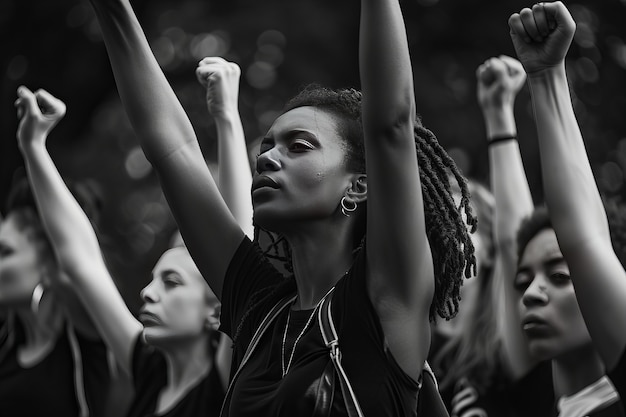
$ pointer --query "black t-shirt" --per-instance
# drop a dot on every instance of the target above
(49, 388)
(530, 396)
(381, 386)
(150, 377)
(618, 376)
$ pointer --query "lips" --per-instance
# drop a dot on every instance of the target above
(535, 325)
(262, 181)
(149, 319)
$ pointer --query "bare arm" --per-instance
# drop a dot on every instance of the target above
(220, 78)
(400, 269)
(572, 196)
(209, 229)
(69, 230)
(499, 81)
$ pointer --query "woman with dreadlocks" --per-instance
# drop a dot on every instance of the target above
(542, 36)
(312, 188)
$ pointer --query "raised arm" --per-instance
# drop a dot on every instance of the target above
(542, 36)
(499, 80)
(69, 230)
(399, 269)
(220, 78)
(210, 231)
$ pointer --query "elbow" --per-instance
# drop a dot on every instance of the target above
(391, 120)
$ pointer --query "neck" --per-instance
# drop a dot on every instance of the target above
(576, 370)
(320, 257)
(39, 329)
(187, 361)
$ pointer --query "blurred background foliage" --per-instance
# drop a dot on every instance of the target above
(281, 45)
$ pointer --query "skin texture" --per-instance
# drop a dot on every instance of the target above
(178, 303)
(549, 312)
(303, 154)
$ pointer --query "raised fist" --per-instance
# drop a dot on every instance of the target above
(499, 79)
(542, 35)
(38, 112)
(220, 78)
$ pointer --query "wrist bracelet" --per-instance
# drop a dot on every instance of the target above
(500, 139)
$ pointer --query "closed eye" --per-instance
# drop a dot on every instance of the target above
(300, 145)
(560, 278)
(522, 281)
(172, 279)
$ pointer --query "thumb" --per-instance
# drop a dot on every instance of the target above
(50, 104)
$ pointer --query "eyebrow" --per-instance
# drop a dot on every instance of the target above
(554, 261)
(550, 262)
(289, 135)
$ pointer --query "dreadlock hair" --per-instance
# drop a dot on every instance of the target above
(448, 235)
(473, 352)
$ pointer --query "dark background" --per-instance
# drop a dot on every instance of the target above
(280, 46)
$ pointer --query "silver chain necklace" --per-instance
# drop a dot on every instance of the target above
(306, 326)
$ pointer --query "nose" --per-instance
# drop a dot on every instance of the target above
(148, 294)
(537, 292)
(268, 161)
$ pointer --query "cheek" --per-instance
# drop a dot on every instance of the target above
(186, 310)
(574, 324)
(17, 282)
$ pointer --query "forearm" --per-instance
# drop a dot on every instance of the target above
(68, 228)
(234, 176)
(152, 106)
(385, 66)
(513, 200)
(570, 189)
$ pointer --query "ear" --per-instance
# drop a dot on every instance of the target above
(357, 192)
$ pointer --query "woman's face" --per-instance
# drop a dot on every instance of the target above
(301, 173)
(20, 264)
(549, 312)
(178, 303)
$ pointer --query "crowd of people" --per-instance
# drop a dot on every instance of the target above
(351, 271)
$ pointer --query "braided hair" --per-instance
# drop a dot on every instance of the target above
(447, 231)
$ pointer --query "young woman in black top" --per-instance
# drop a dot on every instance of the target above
(52, 361)
(169, 351)
(312, 188)
(542, 36)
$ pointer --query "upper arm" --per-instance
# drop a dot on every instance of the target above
(207, 226)
(600, 283)
(399, 263)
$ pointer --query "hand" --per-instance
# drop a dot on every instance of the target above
(499, 81)
(542, 35)
(38, 112)
(221, 80)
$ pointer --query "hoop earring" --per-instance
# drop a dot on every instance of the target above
(36, 298)
(345, 209)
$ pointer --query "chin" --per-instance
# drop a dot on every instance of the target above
(544, 350)
(268, 219)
